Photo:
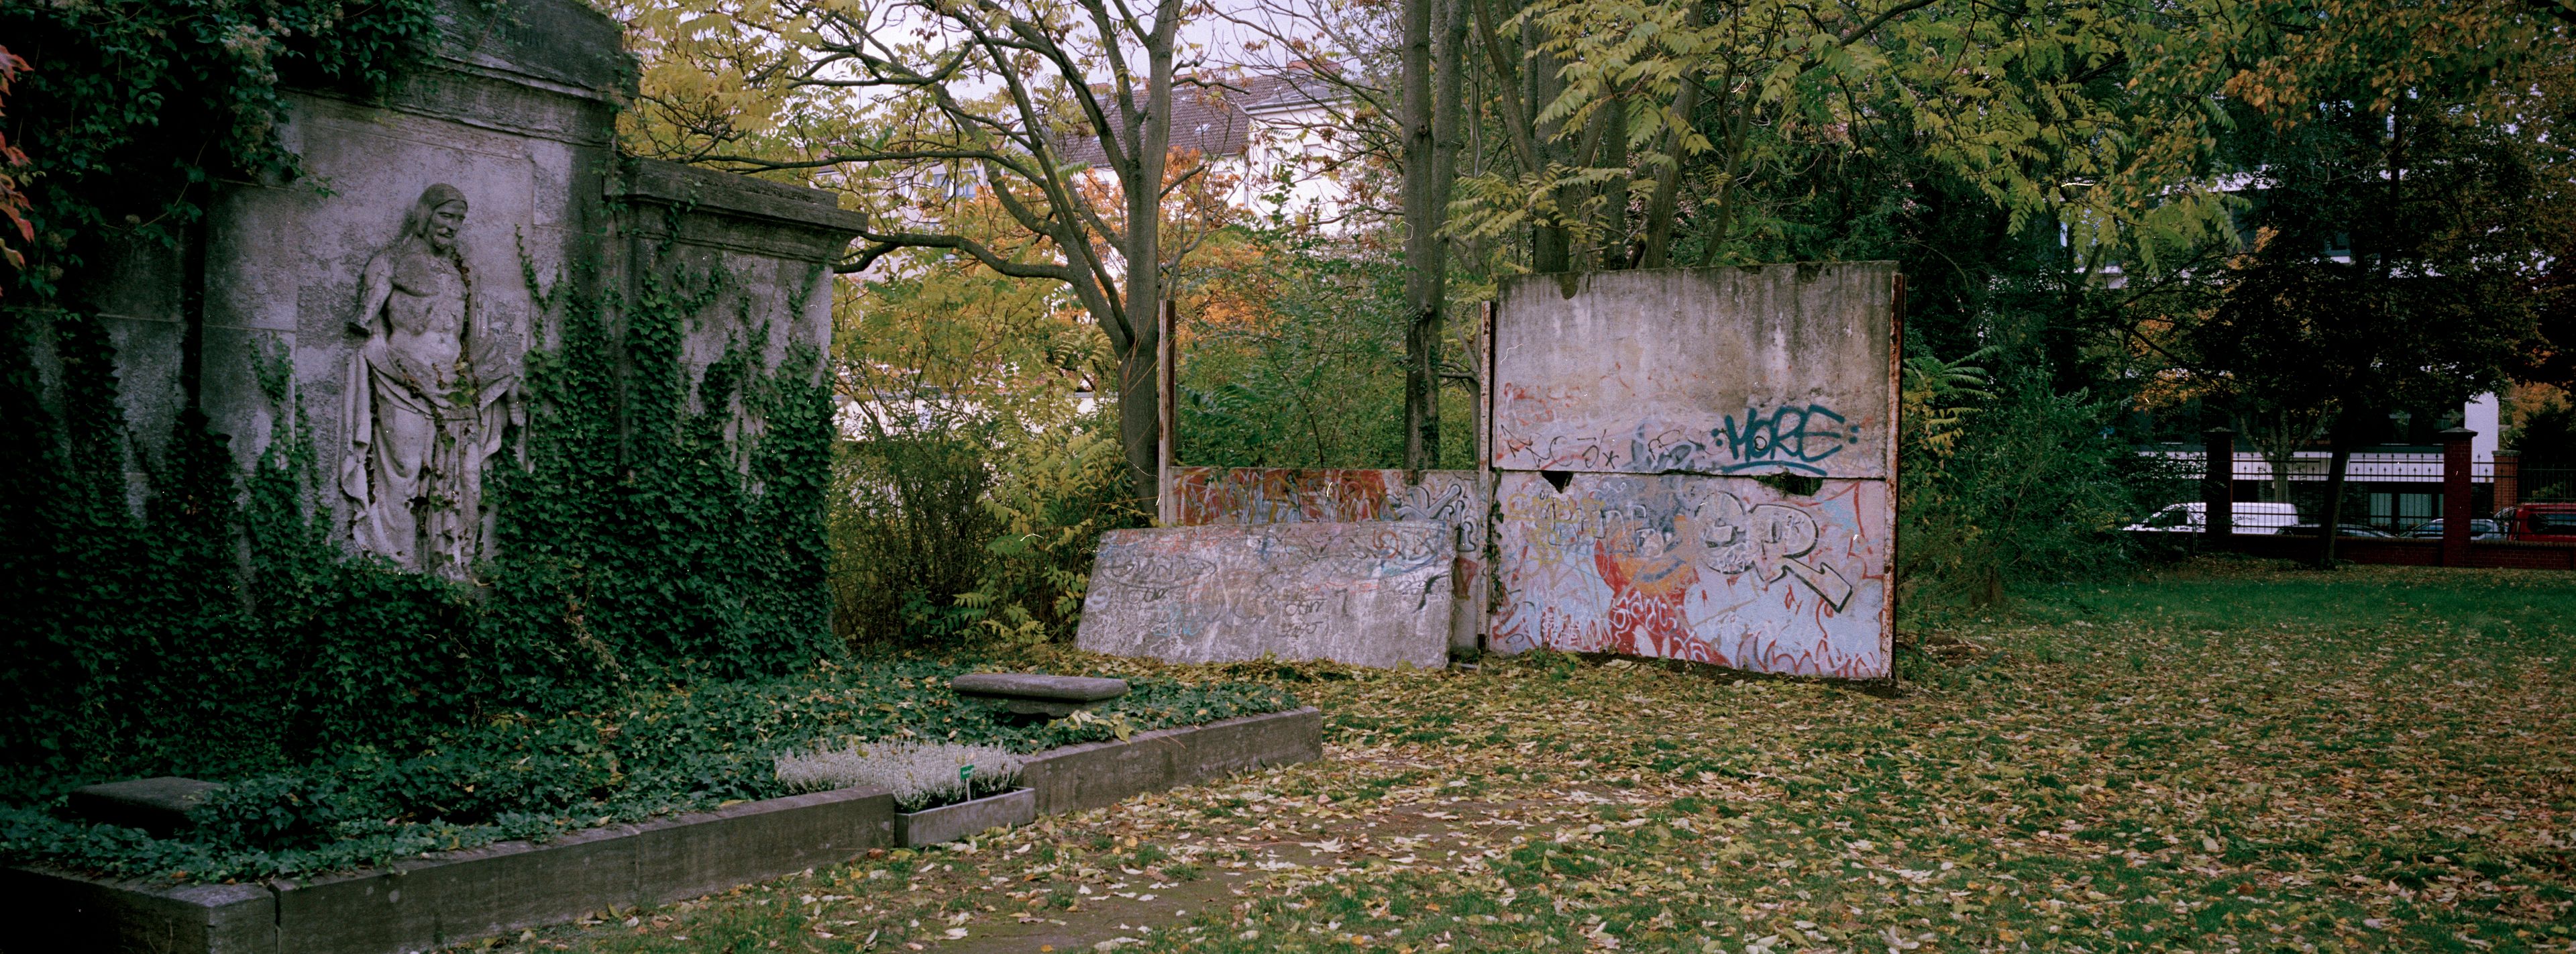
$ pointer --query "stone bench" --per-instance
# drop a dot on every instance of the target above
(1033, 694)
(156, 805)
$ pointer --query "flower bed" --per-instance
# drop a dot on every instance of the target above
(666, 751)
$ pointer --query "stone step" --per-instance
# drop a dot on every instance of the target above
(156, 805)
(1022, 693)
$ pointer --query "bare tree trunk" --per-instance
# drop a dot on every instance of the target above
(1614, 211)
(1551, 242)
(1140, 397)
(1733, 143)
(2334, 497)
(1661, 209)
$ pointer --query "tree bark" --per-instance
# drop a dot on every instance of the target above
(1431, 105)
(2334, 497)
(1661, 209)
(1614, 205)
(1735, 118)
(1551, 242)
(1140, 181)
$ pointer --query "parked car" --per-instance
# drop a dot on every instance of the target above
(2539, 522)
(2341, 530)
(2479, 529)
(2251, 517)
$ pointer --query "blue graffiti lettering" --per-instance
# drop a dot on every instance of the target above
(1791, 438)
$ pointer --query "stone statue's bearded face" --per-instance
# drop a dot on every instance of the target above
(444, 222)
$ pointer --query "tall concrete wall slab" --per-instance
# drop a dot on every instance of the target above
(1699, 464)
(1754, 370)
(1370, 594)
(1256, 496)
(1721, 570)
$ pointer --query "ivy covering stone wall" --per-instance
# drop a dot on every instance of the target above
(183, 595)
(221, 625)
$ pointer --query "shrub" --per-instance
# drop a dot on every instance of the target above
(1059, 490)
(920, 774)
(1294, 357)
(2005, 484)
(909, 527)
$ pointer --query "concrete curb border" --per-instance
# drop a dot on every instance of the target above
(460, 896)
(1100, 774)
(947, 823)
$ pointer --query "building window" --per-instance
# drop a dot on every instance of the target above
(2413, 509)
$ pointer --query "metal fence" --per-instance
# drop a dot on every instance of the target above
(2555, 483)
(2393, 493)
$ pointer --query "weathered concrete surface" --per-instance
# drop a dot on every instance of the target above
(1032, 685)
(1256, 496)
(1755, 370)
(458, 897)
(497, 889)
(1632, 412)
(517, 111)
(691, 855)
(949, 823)
(1031, 694)
(45, 911)
(776, 242)
(1725, 570)
(1369, 594)
(1083, 777)
(156, 805)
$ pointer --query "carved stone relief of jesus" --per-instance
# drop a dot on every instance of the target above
(429, 397)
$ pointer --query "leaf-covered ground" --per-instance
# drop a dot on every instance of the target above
(660, 752)
(2224, 757)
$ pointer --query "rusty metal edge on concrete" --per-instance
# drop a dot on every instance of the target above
(456, 897)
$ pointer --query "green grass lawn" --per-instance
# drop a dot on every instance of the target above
(2224, 756)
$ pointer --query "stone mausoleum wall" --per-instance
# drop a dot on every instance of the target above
(517, 113)
(512, 420)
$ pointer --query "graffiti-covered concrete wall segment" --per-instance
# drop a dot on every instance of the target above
(1254, 496)
(1645, 427)
(1716, 570)
(1371, 594)
(1757, 370)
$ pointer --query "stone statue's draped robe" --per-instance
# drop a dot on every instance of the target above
(421, 424)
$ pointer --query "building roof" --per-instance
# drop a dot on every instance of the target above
(1215, 117)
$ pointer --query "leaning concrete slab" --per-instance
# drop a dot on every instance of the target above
(1699, 464)
(1254, 496)
(1369, 594)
